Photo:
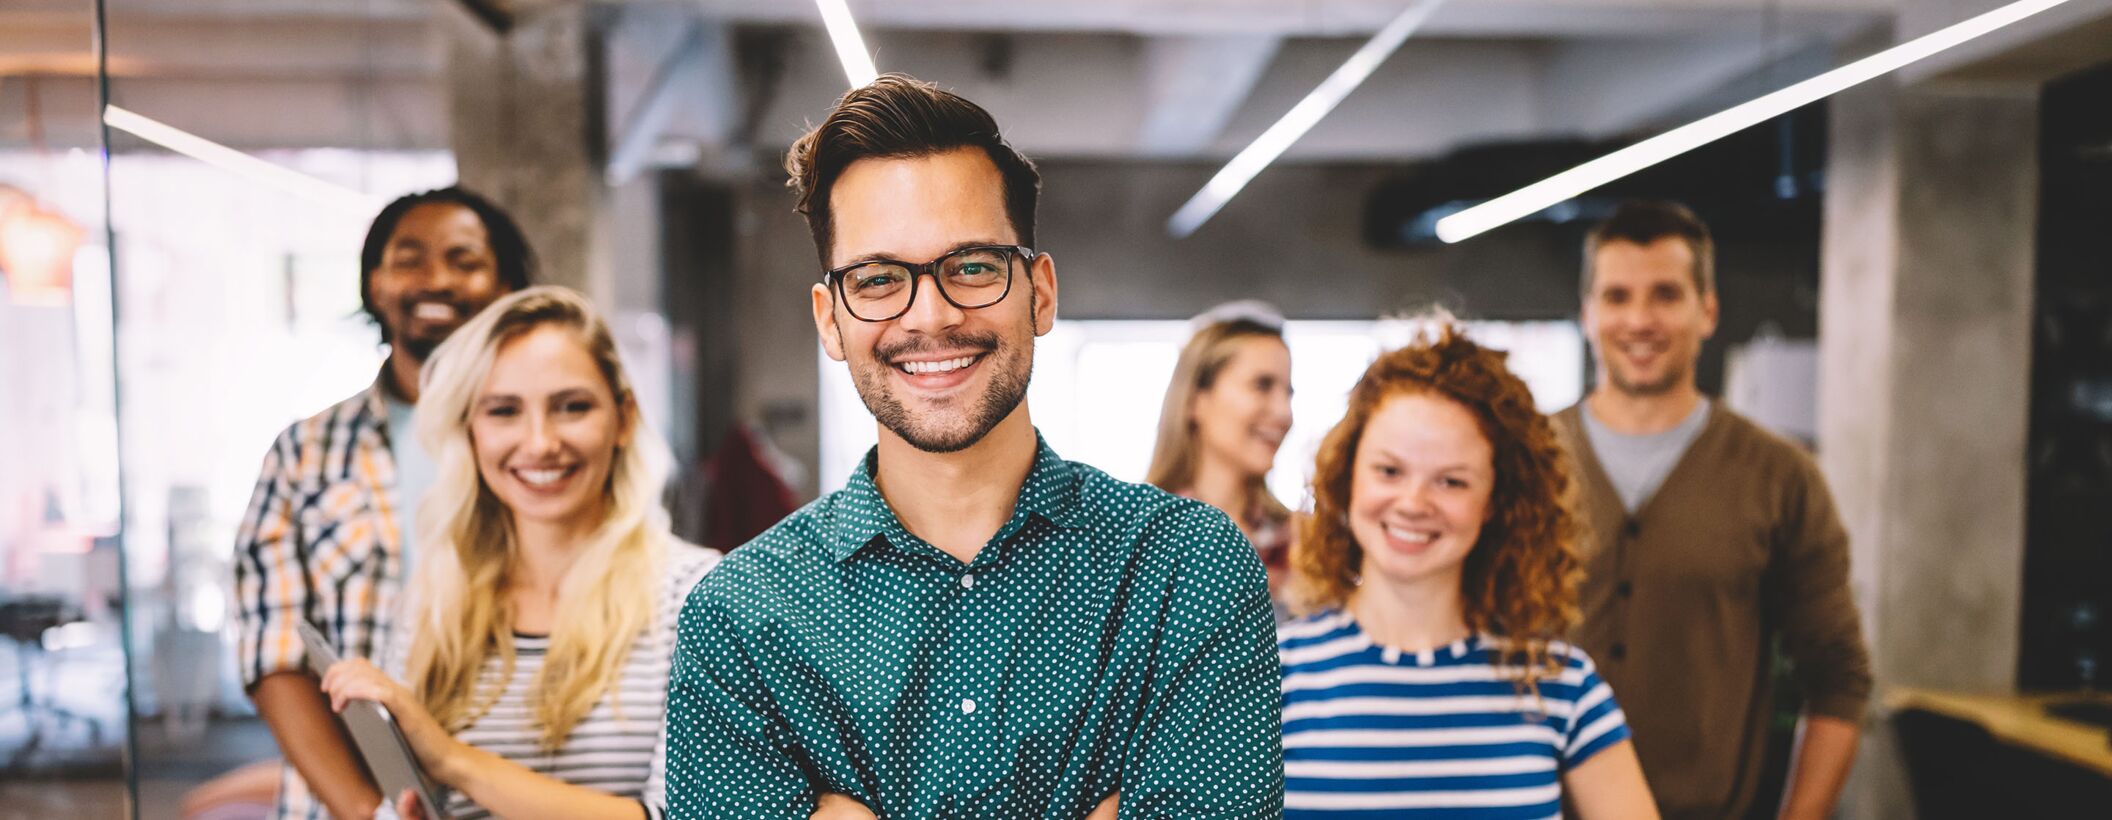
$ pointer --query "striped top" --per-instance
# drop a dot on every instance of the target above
(618, 746)
(1370, 731)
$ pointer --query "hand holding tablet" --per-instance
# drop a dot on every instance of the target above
(375, 731)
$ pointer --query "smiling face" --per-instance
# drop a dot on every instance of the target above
(1419, 490)
(1242, 417)
(546, 426)
(436, 271)
(938, 377)
(1645, 316)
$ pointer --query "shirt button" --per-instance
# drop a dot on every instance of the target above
(1632, 529)
(967, 582)
(1617, 651)
(1624, 589)
(967, 706)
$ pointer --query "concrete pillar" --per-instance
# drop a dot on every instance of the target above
(1925, 345)
(527, 127)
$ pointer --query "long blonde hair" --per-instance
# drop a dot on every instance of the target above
(461, 613)
(1173, 456)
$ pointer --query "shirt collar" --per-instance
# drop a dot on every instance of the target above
(376, 414)
(862, 515)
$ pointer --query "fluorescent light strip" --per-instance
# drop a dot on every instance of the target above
(240, 164)
(1300, 119)
(850, 48)
(1566, 185)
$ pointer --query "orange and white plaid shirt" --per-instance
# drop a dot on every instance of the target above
(322, 543)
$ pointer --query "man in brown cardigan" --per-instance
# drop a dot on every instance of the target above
(1711, 540)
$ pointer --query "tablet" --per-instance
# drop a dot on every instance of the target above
(381, 744)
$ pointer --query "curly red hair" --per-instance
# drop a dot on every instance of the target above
(1520, 578)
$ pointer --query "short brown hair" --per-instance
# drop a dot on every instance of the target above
(897, 117)
(1520, 578)
(1642, 222)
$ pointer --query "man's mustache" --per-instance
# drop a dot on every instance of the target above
(980, 342)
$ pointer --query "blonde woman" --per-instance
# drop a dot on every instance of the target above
(534, 657)
(1227, 410)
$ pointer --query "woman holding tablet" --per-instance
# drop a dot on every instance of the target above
(1439, 567)
(536, 648)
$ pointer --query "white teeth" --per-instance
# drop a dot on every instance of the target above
(946, 366)
(1410, 536)
(541, 478)
(435, 311)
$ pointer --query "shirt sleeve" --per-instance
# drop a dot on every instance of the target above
(1808, 586)
(1596, 722)
(727, 753)
(271, 580)
(1209, 742)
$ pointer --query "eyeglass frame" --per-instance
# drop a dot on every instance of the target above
(833, 278)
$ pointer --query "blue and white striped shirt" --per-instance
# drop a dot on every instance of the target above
(1370, 731)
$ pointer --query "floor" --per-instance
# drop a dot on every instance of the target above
(90, 784)
(62, 735)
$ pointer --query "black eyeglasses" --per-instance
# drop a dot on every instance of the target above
(883, 289)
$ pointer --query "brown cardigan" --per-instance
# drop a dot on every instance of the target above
(1682, 601)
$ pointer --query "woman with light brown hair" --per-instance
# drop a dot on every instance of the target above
(1226, 412)
(1436, 578)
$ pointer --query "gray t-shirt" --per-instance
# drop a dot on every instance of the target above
(414, 475)
(1637, 465)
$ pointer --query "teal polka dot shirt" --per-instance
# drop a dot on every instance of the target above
(1109, 638)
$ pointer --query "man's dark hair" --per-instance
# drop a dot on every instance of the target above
(1642, 222)
(901, 117)
(509, 247)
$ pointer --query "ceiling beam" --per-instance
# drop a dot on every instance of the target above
(1194, 84)
(492, 13)
(1598, 89)
(2062, 40)
(695, 76)
(1336, 18)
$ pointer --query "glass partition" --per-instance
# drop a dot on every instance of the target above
(251, 144)
(64, 698)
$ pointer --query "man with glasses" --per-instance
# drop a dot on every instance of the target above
(972, 627)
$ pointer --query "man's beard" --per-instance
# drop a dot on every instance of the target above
(419, 350)
(1010, 368)
(1673, 378)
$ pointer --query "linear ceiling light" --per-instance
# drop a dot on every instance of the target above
(850, 48)
(240, 164)
(1300, 119)
(1563, 186)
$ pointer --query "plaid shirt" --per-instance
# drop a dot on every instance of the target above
(321, 542)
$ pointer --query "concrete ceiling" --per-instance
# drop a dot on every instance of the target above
(1317, 18)
(1101, 78)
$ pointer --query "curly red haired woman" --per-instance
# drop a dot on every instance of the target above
(1436, 577)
